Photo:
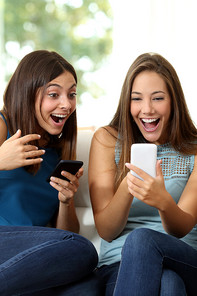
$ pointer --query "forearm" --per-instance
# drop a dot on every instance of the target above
(67, 218)
(176, 221)
(111, 220)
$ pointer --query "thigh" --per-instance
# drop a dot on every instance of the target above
(172, 284)
(37, 258)
(146, 252)
(16, 239)
(173, 253)
(107, 275)
(89, 286)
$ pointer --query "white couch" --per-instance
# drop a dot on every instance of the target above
(82, 198)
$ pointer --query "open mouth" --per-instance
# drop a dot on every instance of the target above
(58, 118)
(150, 124)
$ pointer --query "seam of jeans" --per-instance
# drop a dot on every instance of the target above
(178, 261)
(25, 254)
(55, 230)
(111, 283)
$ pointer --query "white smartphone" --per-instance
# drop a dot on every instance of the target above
(144, 156)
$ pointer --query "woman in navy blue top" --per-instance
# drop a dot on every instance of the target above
(38, 127)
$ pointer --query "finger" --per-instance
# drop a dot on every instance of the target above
(134, 189)
(58, 187)
(63, 190)
(128, 165)
(15, 136)
(134, 182)
(159, 168)
(140, 172)
(35, 153)
(135, 169)
(73, 179)
(29, 138)
(60, 182)
(30, 148)
(32, 161)
(79, 173)
(72, 185)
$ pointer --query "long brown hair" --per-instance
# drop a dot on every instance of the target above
(182, 131)
(34, 71)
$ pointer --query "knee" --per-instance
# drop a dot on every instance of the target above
(139, 236)
(139, 242)
(87, 248)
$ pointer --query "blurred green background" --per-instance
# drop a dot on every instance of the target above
(80, 30)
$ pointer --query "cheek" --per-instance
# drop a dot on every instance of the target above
(46, 107)
(166, 112)
(134, 110)
(73, 105)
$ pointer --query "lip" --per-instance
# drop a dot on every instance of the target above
(62, 117)
(146, 124)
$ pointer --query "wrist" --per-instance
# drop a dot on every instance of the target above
(166, 203)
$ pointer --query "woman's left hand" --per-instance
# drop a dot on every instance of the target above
(149, 190)
(66, 189)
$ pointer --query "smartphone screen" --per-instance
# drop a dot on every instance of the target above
(71, 166)
(144, 156)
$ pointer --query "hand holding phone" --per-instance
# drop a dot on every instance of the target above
(144, 156)
(71, 166)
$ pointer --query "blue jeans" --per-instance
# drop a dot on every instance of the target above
(46, 261)
(155, 264)
(107, 276)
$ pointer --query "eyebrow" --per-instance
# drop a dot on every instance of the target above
(155, 92)
(57, 85)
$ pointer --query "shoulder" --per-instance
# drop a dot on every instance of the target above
(106, 136)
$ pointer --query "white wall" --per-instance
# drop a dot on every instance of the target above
(167, 27)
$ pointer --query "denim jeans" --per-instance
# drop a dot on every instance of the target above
(155, 264)
(107, 276)
(46, 261)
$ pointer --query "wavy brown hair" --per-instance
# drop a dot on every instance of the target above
(34, 71)
(182, 131)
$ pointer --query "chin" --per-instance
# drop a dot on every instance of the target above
(54, 133)
(151, 138)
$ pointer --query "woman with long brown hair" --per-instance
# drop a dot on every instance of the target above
(147, 224)
(38, 127)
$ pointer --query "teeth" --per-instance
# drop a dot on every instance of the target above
(149, 120)
(60, 115)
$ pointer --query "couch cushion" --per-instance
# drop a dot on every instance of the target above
(82, 198)
(87, 227)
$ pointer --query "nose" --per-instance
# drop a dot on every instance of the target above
(65, 103)
(147, 106)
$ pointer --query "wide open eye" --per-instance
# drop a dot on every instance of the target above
(73, 95)
(53, 95)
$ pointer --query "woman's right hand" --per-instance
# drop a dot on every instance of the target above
(16, 152)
